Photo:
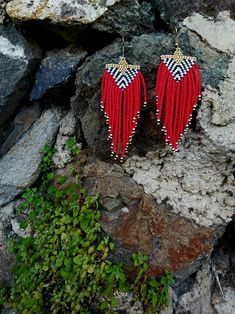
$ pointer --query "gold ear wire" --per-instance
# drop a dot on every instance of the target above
(176, 37)
(123, 46)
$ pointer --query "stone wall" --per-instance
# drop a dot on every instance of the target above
(173, 207)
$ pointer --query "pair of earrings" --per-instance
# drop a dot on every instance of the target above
(178, 90)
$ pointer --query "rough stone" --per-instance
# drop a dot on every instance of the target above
(111, 182)
(19, 168)
(226, 305)
(173, 12)
(67, 129)
(18, 61)
(138, 223)
(126, 303)
(193, 188)
(112, 16)
(219, 34)
(2, 11)
(6, 259)
(173, 244)
(22, 122)
(198, 299)
(23, 233)
(222, 100)
(55, 75)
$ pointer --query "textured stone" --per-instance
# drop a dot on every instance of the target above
(127, 303)
(226, 306)
(136, 222)
(56, 73)
(23, 233)
(22, 122)
(222, 100)
(173, 243)
(173, 12)
(198, 299)
(67, 129)
(6, 259)
(2, 11)
(111, 182)
(18, 62)
(219, 34)
(195, 183)
(7, 212)
(19, 168)
(113, 16)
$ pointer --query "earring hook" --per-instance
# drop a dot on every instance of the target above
(123, 46)
(176, 37)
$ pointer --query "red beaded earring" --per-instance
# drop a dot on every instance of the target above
(121, 102)
(178, 90)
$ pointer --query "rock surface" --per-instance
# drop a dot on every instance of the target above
(226, 305)
(171, 207)
(22, 122)
(138, 223)
(198, 299)
(2, 11)
(219, 34)
(67, 129)
(19, 168)
(55, 75)
(111, 16)
(173, 12)
(18, 62)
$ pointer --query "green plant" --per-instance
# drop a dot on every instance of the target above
(63, 266)
(71, 145)
(152, 292)
(3, 295)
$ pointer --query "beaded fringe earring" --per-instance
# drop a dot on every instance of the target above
(178, 90)
(122, 84)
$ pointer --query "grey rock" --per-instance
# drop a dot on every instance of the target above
(22, 233)
(173, 12)
(207, 29)
(226, 305)
(56, 73)
(198, 299)
(113, 16)
(111, 203)
(7, 212)
(22, 122)
(67, 128)
(127, 304)
(20, 167)
(2, 11)
(6, 260)
(18, 61)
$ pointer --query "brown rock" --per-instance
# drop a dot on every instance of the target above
(137, 223)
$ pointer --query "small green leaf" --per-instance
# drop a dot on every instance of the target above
(114, 302)
(104, 305)
(50, 176)
(61, 179)
(153, 283)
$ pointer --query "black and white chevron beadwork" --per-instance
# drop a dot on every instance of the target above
(178, 70)
(123, 79)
